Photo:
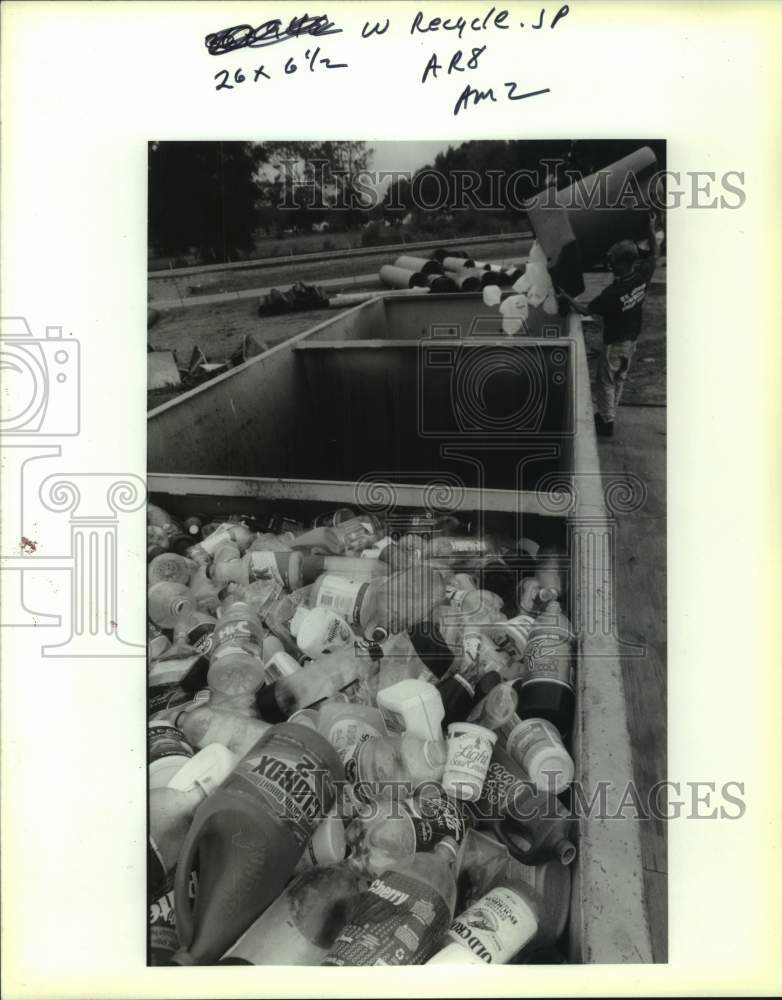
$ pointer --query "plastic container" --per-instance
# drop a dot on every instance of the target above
(469, 754)
(167, 600)
(414, 707)
(300, 926)
(205, 725)
(229, 532)
(497, 709)
(537, 748)
(547, 684)
(494, 928)
(318, 631)
(248, 837)
(327, 846)
(401, 918)
(236, 666)
(391, 764)
(344, 724)
(170, 566)
(280, 664)
(320, 679)
(458, 697)
(168, 752)
(382, 606)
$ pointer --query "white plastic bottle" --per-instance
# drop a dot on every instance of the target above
(414, 707)
(537, 748)
(319, 630)
(493, 929)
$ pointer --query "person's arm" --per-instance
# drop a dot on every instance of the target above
(652, 242)
(579, 307)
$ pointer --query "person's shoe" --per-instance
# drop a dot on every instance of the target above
(604, 428)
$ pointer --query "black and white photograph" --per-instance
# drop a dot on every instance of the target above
(389, 499)
(406, 543)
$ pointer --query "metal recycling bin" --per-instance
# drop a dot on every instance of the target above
(422, 403)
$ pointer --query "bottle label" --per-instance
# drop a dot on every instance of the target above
(516, 632)
(275, 566)
(504, 783)
(165, 740)
(163, 938)
(395, 721)
(220, 536)
(355, 785)
(495, 927)
(294, 782)
(437, 818)
(201, 637)
(164, 696)
(229, 636)
(282, 664)
(548, 657)
(346, 733)
(471, 644)
(342, 595)
(397, 921)
(531, 733)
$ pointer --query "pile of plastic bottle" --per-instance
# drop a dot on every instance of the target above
(358, 743)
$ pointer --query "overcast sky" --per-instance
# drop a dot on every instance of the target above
(406, 155)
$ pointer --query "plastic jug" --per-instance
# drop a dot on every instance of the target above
(248, 837)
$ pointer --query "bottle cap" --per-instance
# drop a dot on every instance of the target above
(566, 852)
(266, 703)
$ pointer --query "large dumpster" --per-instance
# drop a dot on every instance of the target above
(421, 404)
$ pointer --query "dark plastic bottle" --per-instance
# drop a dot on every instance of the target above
(248, 837)
(546, 688)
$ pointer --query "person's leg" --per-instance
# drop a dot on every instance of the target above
(606, 385)
(626, 352)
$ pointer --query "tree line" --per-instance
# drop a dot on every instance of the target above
(218, 199)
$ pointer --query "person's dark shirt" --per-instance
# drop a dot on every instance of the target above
(621, 303)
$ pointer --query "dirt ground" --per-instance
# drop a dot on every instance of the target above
(218, 330)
